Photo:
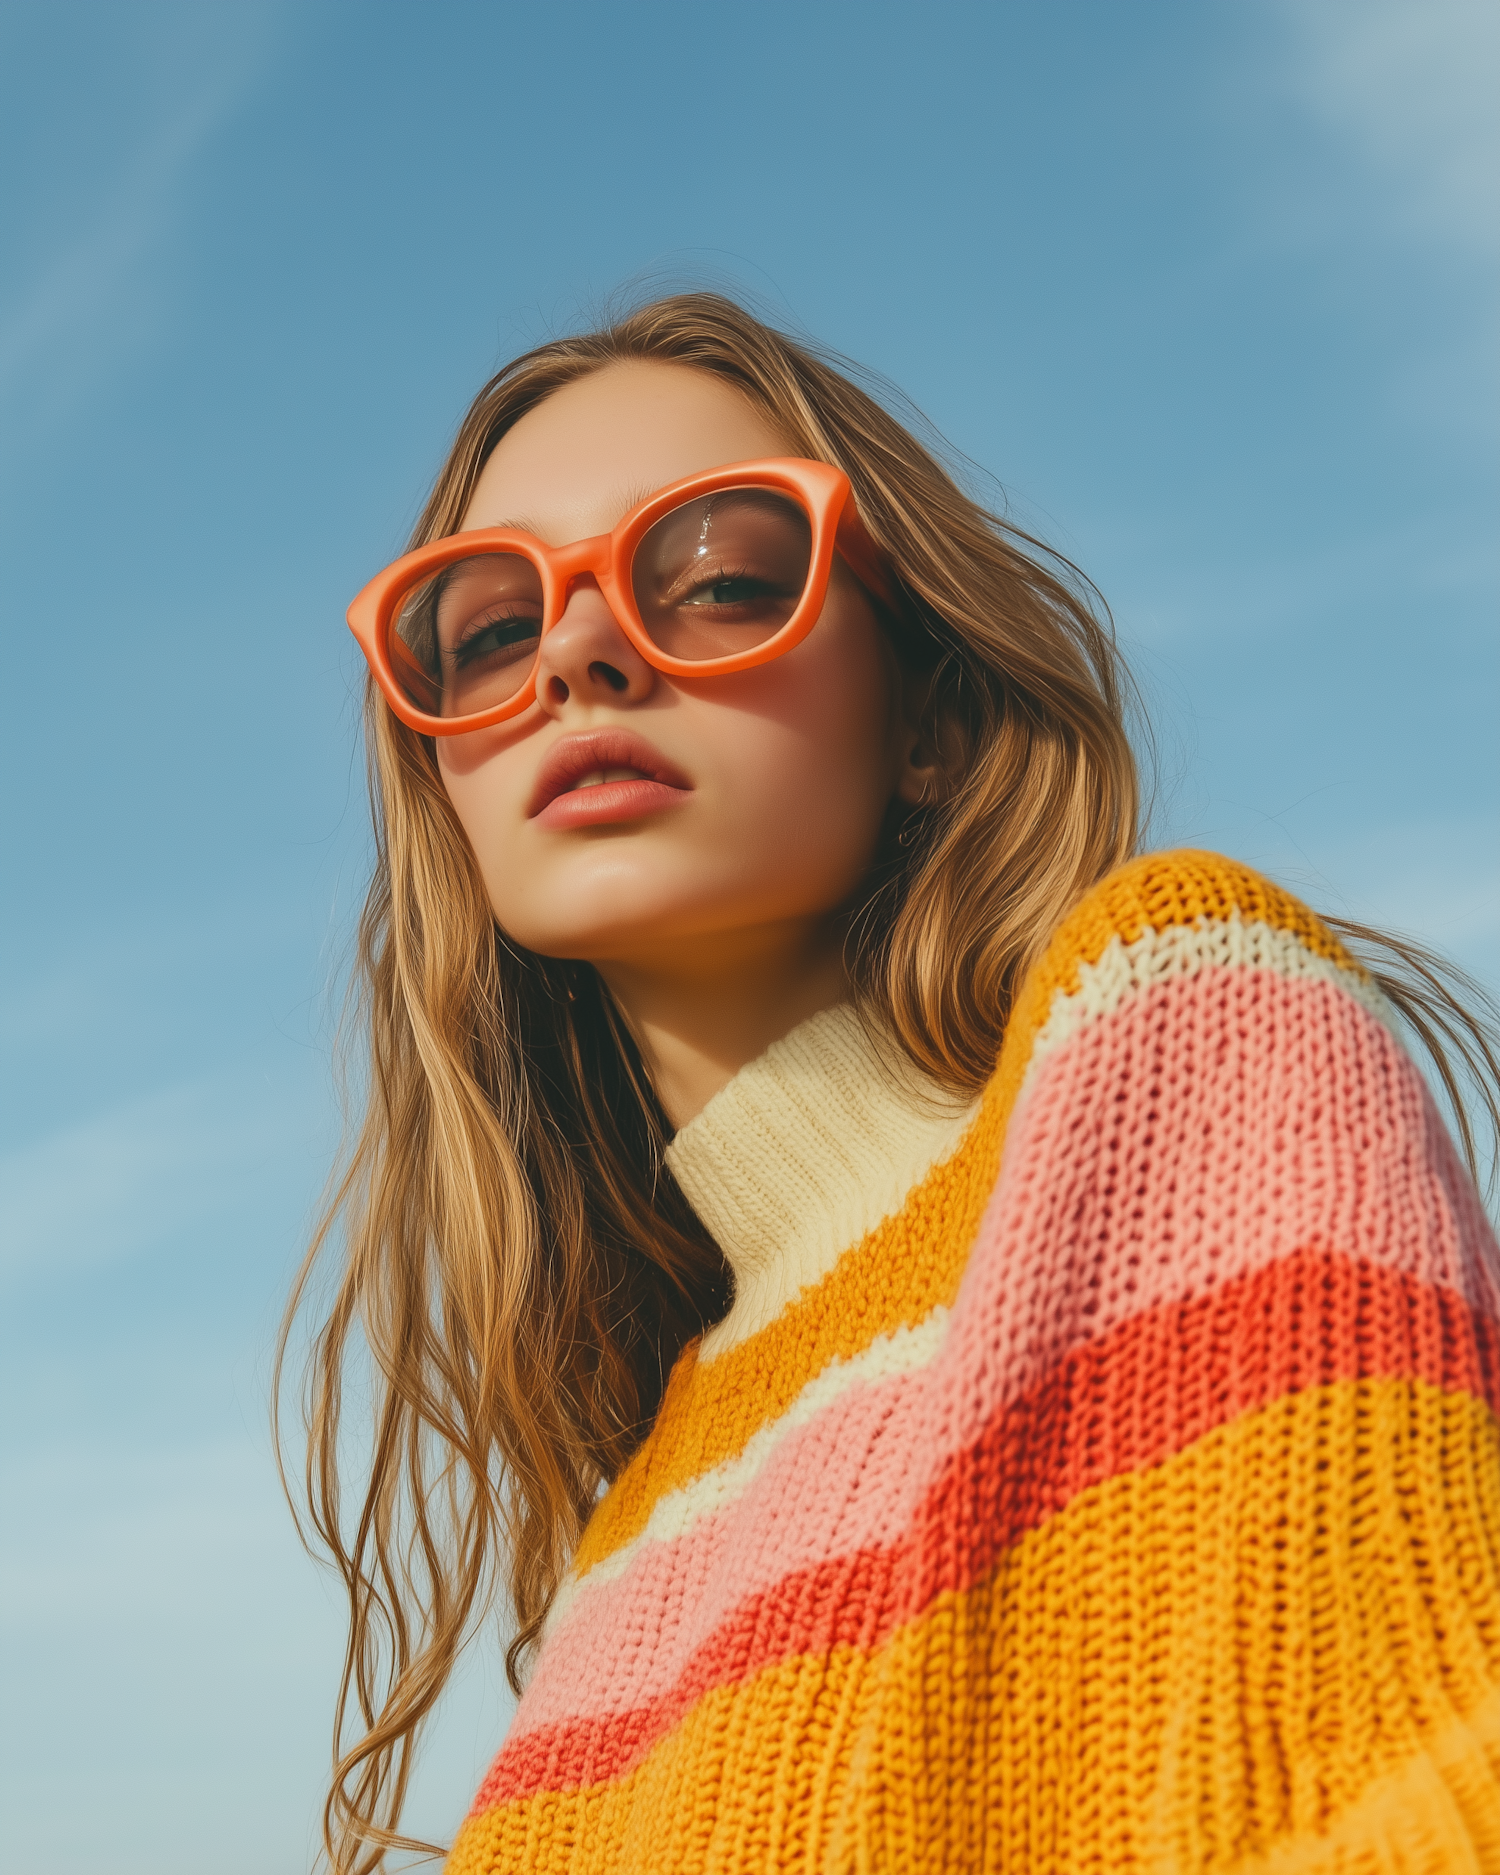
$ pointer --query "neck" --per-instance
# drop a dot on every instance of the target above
(698, 1016)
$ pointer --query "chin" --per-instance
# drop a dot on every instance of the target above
(615, 934)
(606, 904)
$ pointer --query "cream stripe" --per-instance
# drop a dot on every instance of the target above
(673, 1516)
(1180, 951)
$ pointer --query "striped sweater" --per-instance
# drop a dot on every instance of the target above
(1104, 1478)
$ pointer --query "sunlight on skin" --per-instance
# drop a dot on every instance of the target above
(715, 920)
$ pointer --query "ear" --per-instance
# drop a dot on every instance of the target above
(929, 752)
(921, 782)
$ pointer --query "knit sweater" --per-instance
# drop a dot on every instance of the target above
(1107, 1478)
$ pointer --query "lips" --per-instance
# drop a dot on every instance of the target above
(606, 775)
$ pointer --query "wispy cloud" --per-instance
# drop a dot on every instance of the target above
(1434, 558)
(88, 301)
(1413, 90)
(78, 284)
(128, 1180)
(160, 1577)
(1432, 875)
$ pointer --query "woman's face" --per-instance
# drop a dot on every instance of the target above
(731, 808)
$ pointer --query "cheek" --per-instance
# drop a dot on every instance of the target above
(843, 700)
(486, 777)
(487, 758)
(807, 755)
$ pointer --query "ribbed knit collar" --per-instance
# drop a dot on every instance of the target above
(804, 1152)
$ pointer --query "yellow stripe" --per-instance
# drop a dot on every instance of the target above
(1219, 1660)
(723, 1791)
(1165, 889)
(1435, 1816)
(1245, 1658)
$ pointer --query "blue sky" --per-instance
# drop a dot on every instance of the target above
(1209, 289)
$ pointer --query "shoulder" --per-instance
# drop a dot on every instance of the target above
(1218, 1163)
(1162, 929)
(1199, 1078)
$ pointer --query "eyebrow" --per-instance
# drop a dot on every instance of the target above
(518, 527)
(630, 498)
(634, 495)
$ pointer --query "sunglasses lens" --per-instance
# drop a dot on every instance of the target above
(723, 573)
(465, 639)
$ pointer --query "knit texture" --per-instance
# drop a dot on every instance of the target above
(1105, 1479)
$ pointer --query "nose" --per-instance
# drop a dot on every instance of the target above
(586, 658)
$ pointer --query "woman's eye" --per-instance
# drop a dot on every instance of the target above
(501, 634)
(729, 592)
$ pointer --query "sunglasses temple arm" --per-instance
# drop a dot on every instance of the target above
(863, 558)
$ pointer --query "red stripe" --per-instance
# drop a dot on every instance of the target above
(1148, 1389)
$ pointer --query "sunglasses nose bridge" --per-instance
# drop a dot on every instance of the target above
(570, 563)
(579, 561)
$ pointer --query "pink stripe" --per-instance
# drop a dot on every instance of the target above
(846, 1481)
(1285, 1118)
(1208, 1127)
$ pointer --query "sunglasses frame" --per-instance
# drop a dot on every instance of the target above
(823, 491)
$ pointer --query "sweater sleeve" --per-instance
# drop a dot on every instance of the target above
(1209, 1577)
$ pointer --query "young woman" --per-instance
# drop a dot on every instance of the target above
(963, 1347)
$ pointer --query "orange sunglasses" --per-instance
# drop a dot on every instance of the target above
(715, 573)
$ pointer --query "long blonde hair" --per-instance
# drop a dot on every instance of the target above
(518, 1261)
